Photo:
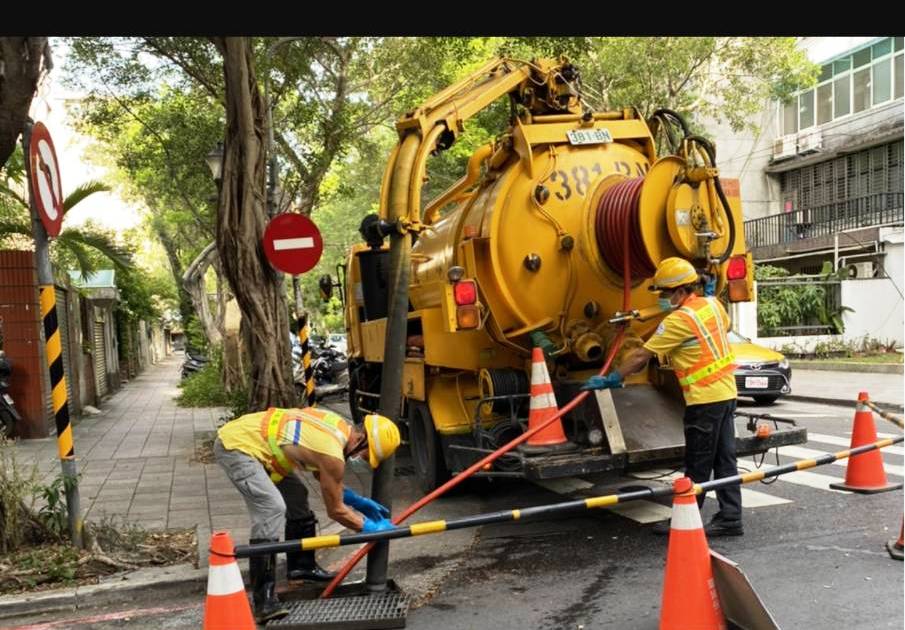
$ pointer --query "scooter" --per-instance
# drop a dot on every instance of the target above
(9, 416)
(193, 363)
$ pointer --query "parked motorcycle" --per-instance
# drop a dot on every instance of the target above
(330, 367)
(9, 416)
(194, 361)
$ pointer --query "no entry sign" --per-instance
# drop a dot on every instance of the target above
(46, 187)
(292, 243)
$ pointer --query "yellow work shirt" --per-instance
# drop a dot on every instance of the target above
(244, 434)
(676, 340)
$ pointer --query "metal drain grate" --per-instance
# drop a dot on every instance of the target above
(368, 612)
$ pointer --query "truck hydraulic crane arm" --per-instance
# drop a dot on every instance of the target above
(542, 86)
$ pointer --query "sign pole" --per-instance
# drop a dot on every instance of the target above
(53, 351)
(305, 341)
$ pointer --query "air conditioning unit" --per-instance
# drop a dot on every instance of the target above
(784, 147)
(862, 270)
(810, 141)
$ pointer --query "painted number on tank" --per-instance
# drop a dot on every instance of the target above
(580, 180)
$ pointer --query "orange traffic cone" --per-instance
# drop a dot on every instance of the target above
(690, 598)
(226, 606)
(895, 547)
(864, 472)
(543, 406)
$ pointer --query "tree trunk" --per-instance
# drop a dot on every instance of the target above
(241, 219)
(22, 59)
(186, 311)
(193, 283)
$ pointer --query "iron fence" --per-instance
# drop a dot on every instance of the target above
(825, 219)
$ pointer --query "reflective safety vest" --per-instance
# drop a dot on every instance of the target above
(702, 316)
(320, 430)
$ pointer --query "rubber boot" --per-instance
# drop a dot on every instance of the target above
(301, 565)
(262, 570)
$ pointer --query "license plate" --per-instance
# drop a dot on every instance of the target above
(589, 136)
(756, 382)
(8, 399)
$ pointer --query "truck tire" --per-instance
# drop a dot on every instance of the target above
(427, 453)
(765, 400)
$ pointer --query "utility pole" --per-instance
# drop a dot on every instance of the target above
(53, 352)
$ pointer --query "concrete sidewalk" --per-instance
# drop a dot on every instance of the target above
(843, 387)
(136, 461)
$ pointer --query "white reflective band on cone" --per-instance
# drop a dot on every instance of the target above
(686, 516)
(543, 401)
(539, 373)
(224, 579)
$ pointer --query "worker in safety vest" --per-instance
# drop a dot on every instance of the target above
(693, 336)
(264, 453)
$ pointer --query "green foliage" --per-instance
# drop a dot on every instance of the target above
(195, 337)
(781, 305)
(53, 512)
(205, 388)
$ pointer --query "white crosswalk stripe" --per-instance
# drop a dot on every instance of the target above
(823, 438)
(799, 452)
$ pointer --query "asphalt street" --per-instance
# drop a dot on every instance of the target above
(815, 556)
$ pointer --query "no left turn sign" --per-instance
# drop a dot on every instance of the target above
(47, 189)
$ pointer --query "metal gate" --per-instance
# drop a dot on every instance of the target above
(100, 359)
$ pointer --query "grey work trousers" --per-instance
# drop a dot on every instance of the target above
(267, 503)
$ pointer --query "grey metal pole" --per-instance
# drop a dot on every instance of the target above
(53, 350)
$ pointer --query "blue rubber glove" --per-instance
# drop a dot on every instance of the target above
(378, 525)
(709, 286)
(613, 379)
(369, 507)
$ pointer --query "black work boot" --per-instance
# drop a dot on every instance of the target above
(262, 570)
(301, 565)
(722, 527)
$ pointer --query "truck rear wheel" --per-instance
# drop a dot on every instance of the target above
(427, 453)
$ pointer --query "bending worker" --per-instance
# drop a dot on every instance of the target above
(263, 454)
(694, 338)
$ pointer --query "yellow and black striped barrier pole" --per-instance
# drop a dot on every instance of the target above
(885, 415)
(54, 353)
(305, 340)
(543, 511)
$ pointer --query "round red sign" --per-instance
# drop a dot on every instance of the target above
(292, 243)
(47, 189)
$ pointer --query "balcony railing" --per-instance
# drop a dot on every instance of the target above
(823, 220)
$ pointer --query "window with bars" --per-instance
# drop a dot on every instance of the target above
(869, 172)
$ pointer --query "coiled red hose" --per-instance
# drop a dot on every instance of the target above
(619, 230)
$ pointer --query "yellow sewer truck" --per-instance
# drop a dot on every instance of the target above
(531, 247)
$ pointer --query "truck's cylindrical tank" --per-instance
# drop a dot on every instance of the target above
(533, 247)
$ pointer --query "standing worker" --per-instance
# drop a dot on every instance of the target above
(694, 338)
(263, 454)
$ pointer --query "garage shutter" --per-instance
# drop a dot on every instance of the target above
(100, 359)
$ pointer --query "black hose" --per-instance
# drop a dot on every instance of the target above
(711, 154)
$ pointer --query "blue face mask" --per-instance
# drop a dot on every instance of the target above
(665, 304)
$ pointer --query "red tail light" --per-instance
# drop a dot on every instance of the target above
(737, 268)
(465, 292)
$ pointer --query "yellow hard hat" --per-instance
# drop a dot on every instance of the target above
(383, 438)
(673, 272)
